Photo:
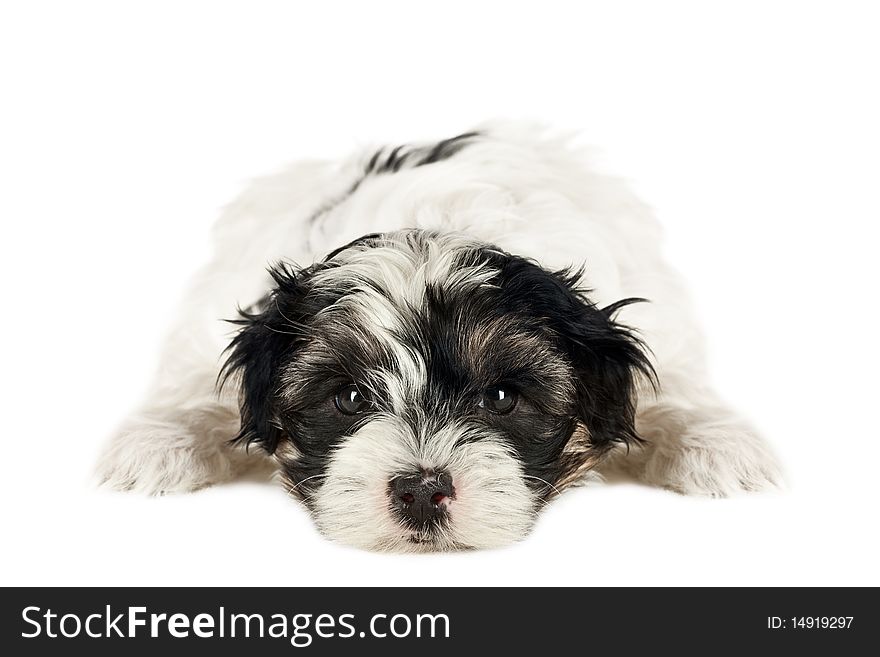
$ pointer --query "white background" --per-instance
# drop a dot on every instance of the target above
(752, 128)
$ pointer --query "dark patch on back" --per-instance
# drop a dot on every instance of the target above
(403, 156)
(384, 161)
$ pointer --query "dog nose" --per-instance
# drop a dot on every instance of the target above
(419, 498)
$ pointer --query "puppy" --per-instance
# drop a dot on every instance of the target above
(448, 335)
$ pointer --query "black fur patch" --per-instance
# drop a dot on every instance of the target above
(390, 161)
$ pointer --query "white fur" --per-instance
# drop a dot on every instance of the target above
(492, 505)
(528, 193)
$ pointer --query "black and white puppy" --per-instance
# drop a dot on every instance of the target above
(478, 344)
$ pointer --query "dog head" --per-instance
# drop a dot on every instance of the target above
(424, 391)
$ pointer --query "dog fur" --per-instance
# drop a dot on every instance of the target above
(445, 216)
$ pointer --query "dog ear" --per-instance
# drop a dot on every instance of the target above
(268, 338)
(607, 356)
(609, 359)
(256, 353)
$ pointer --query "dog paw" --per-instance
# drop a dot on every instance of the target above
(715, 461)
(158, 458)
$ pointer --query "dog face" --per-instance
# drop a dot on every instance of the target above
(427, 392)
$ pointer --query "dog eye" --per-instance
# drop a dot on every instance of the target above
(350, 401)
(499, 399)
